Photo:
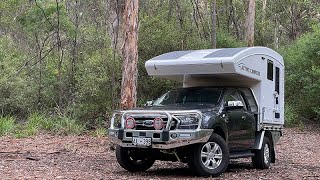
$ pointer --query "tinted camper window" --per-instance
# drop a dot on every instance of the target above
(270, 70)
(277, 88)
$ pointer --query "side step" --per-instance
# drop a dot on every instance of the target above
(241, 154)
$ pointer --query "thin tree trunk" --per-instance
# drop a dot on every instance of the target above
(228, 15)
(181, 22)
(276, 34)
(115, 11)
(214, 24)
(250, 23)
(39, 103)
(74, 58)
(130, 54)
(194, 15)
(294, 25)
(264, 7)
(170, 10)
(205, 33)
(60, 50)
(234, 20)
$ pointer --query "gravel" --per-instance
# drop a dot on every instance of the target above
(86, 157)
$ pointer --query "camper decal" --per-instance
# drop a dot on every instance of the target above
(245, 68)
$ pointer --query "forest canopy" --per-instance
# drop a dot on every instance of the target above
(62, 58)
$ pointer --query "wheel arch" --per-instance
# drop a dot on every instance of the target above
(259, 139)
(268, 135)
(217, 129)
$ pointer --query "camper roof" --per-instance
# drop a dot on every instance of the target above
(175, 65)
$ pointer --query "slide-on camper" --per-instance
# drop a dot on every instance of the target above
(231, 105)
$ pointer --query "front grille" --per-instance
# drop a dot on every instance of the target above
(146, 123)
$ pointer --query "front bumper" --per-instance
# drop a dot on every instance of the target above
(161, 139)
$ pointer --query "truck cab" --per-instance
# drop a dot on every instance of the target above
(221, 112)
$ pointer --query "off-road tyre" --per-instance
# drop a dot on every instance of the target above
(262, 158)
(134, 159)
(217, 156)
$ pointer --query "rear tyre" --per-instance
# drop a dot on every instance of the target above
(134, 159)
(210, 158)
(262, 158)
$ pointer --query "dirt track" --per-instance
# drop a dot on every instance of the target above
(85, 157)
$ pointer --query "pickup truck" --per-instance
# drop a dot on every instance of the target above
(203, 125)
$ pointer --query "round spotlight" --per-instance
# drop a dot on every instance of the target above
(130, 123)
(158, 123)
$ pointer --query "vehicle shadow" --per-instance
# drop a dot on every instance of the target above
(182, 170)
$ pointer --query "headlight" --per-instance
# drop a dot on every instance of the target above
(188, 121)
(116, 120)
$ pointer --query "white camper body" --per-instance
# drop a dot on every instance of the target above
(258, 68)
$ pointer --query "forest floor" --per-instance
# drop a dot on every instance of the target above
(85, 157)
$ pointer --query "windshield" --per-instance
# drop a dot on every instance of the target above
(199, 96)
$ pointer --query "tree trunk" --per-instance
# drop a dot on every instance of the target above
(214, 24)
(39, 49)
(234, 19)
(60, 50)
(276, 34)
(130, 54)
(74, 58)
(250, 23)
(181, 22)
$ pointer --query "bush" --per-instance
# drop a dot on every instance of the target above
(100, 132)
(303, 75)
(7, 125)
(291, 117)
(65, 125)
(37, 122)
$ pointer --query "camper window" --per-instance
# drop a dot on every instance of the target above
(270, 70)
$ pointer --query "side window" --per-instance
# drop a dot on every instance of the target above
(251, 102)
(233, 96)
(245, 104)
(270, 70)
(277, 87)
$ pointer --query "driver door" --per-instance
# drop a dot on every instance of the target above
(240, 122)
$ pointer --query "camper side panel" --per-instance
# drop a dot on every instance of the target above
(269, 92)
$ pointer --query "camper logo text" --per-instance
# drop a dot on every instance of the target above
(245, 68)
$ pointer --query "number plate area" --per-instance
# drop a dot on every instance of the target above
(139, 141)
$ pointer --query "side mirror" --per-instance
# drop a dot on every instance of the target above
(231, 105)
(148, 103)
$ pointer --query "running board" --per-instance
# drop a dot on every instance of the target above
(241, 154)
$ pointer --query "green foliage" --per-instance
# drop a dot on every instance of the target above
(291, 117)
(303, 75)
(160, 36)
(37, 123)
(7, 125)
(100, 132)
(59, 125)
(90, 73)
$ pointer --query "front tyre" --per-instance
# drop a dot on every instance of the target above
(262, 158)
(134, 159)
(211, 158)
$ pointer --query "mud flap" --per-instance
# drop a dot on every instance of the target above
(259, 139)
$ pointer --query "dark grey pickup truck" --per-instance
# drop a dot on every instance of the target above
(201, 126)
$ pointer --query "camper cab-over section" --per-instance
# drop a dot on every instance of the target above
(258, 68)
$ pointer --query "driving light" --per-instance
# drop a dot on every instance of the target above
(130, 123)
(174, 135)
(158, 123)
